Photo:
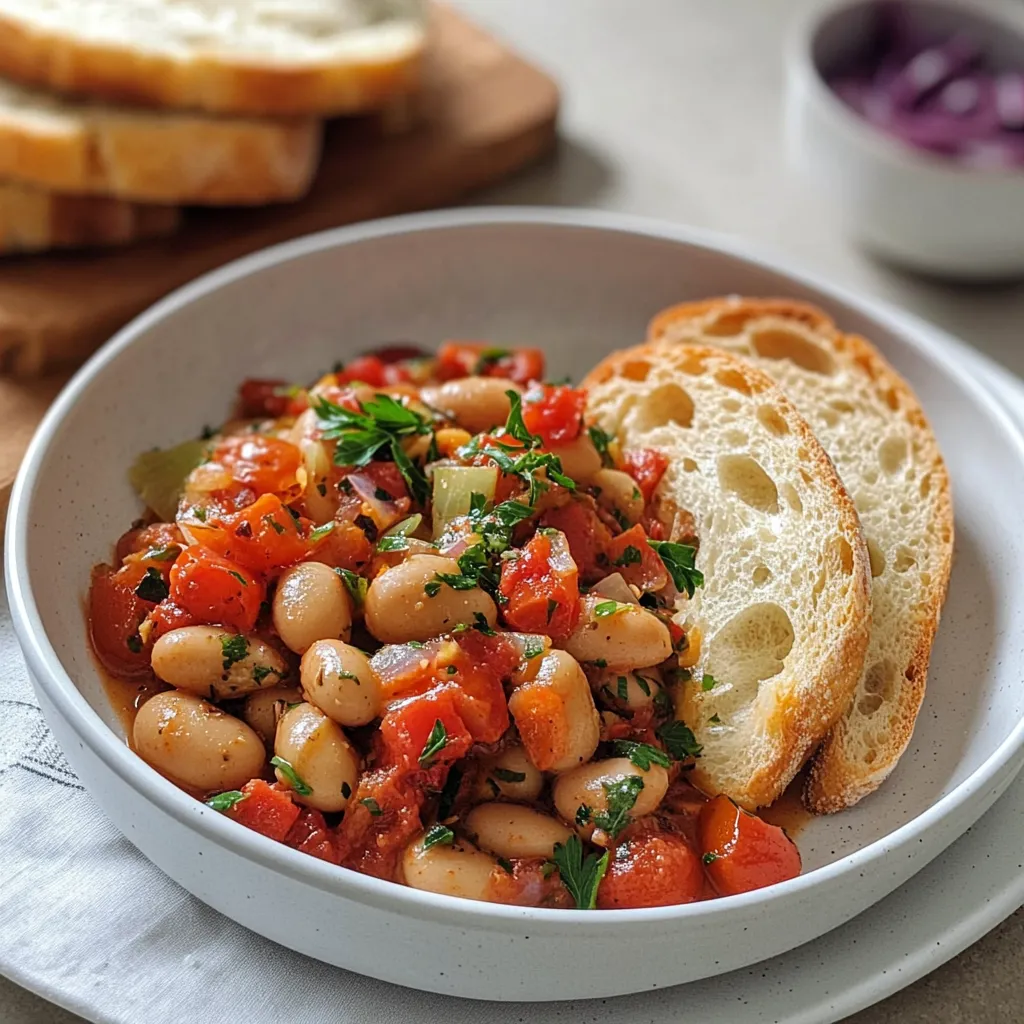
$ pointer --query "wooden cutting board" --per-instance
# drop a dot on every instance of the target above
(484, 113)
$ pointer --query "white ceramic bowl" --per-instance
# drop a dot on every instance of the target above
(578, 284)
(911, 207)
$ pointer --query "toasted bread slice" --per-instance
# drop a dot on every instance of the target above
(287, 57)
(32, 220)
(871, 424)
(784, 612)
(60, 144)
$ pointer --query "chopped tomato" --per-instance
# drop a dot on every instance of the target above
(215, 590)
(588, 537)
(481, 698)
(115, 614)
(156, 536)
(541, 587)
(376, 370)
(269, 399)
(167, 616)
(651, 869)
(266, 464)
(530, 883)
(399, 353)
(742, 852)
(310, 834)
(632, 555)
(555, 412)
(263, 537)
(646, 466)
(407, 727)
(476, 358)
(266, 809)
(388, 478)
(345, 547)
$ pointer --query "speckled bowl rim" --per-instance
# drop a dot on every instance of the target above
(58, 688)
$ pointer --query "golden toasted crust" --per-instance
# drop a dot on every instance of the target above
(77, 65)
(839, 778)
(32, 220)
(154, 158)
(803, 717)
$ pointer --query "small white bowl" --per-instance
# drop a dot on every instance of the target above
(916, 209)
(579, 285)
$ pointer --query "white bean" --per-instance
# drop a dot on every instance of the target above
(324, 764)
(555, 714)
(509, 774)
(586, 786)
(511, 830)
(456, 870)
(623, 689)
(407, 602)
(216, 663)
(580, 459)
(617, 490)
(474, 403)
(197, 744)
(340, 681)
(630, 637)
(261, 709)
(310, 604)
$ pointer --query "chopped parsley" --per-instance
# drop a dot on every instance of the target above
(643, 684)
(621, 795)
(601, 440)
(449, 579)
(622, 688)
(506, 775)
(505, 864)
(134, 643)
(152, 586)
(372, 806)
(662, 703)
(273, 523)
(225, 801)
(397, 537)
(583, 813)
(449, 793)
(678, 739)
(260, 672)
(552, 607)
(438, 835)
(291, 776)
(605, 608)
(318, 533)
(489, 357)
(679, 560)
(238, 576)
(715, 720)
(601, 663)
(436, 742)
(708, 682)
(643, 755)
(381, 424)
(580, 875)
(709, 858)
(630, 556)
(167, 554)
(233, 648)
(395, 543)
(534, 648)
(355, 584)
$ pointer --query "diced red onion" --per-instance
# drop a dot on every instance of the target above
(1009, 100)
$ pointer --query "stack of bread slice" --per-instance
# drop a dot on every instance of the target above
(115, 113)
(823, 511)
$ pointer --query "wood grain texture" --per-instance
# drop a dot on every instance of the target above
(484, 113)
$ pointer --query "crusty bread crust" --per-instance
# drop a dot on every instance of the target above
(806, 702)
(32, 220)
(840, 775)
(72, 62)
(153, 157)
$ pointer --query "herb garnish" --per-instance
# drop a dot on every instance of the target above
(233, 648)
(438, 835)
(506, 775)
(436, 742)
(630, 556)
(679, 560)
(534, 648)
(260, 672)
(225, 801)
(291, 776)
(605, 608)
(601, 441)
(678, 739)
(709, 857)
(708, 682)
(580, 875)
(489, 357)
(355, 584)
(621, 796)
(449, 793)
(152, 586)
(372, 806)
(643, 755)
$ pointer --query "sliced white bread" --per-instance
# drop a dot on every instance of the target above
(871, 424)
(152, 156)
(261, 57)
(784, 613)
(33, 220)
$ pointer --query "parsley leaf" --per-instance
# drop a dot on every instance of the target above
(605, 608)
(708, 682)
(397, 537)
(233, 648)
(534, 648)
(372, 806)
(166, 554)
(152, 586)
(260, 672)
(643, 755)
(449, 793)
(438, 835)
(622, 688)
(679, 560)
(355, 584)
(583, 813)
(291, 776)
(515, 425)
(449, 579)
(709, 858)
(436, 742)
(506, 775)
(630, 556)
(678, 739)
(489, 357)
(601, 440)
(318, 533)
(621, 795)
(580, 875)
(398, 543)
(225, 801)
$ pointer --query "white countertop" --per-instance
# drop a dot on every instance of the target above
(672, 108)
